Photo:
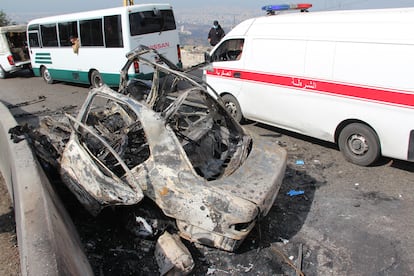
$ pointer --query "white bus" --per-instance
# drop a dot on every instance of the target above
(104, 37)
(340, 76)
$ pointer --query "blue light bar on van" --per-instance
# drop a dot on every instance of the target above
(285, 7)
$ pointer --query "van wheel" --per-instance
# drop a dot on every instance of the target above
(233, 107)
(46, 75)
(96, 79)
(359, 144)
(3, 73)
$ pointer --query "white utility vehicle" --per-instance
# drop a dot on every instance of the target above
(13, 50)
(340, 76)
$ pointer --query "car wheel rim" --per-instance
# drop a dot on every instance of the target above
(46, 75)
(98, 82)
(232, 109)
(358, 144)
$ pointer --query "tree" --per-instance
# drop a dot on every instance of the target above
(4, 19)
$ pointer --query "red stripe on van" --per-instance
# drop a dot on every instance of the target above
(395, 97)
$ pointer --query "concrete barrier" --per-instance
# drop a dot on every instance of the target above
(47, 239)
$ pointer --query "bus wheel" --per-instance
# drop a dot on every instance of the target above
(359, 144)
(3, 73)
(46, 75)
(96, 79)
(233, 107)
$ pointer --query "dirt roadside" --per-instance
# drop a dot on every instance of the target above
(9, 256)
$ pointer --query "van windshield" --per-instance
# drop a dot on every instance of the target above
(146, 22)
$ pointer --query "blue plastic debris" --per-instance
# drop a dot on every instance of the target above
(300, 162)
(295, 193)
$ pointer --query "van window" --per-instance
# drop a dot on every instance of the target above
(147, 22)
(229, 50)
(91, 32)
(67, 29)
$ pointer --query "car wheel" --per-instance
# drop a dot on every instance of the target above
(359, 144)
(46, 75)
(233, 107)
(96, 79)
(3, 73)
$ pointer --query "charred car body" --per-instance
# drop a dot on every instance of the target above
(175, 143)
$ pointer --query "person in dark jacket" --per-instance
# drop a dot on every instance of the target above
(215, 34)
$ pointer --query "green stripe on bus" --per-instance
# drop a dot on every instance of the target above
(42, 54)
(43, 58)
(43, 61)
(83, 76)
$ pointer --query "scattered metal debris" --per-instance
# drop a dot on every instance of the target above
(286, 260)
(299, 261)
(142, 229)
(172, 256)
(38, 100)
(47, 112)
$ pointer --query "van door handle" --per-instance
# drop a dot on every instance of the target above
(237, 74)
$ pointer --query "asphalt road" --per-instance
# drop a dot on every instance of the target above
(350, 220)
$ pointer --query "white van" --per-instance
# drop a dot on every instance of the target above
(14, 55)
(340, 76)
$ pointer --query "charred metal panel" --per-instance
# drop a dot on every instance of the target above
(91, 186)
(175, 143)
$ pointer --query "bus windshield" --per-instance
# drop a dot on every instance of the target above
(146, 22)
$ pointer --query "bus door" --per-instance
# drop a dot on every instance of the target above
(34, 44)
(34, 40)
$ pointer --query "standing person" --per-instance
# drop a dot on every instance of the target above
(216, 33)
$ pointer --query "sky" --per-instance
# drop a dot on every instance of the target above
(25, 10)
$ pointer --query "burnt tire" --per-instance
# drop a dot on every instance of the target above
(359, 144)
(233, 107)
(46, 75)
(96, 79)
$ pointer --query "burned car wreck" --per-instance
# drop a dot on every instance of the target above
(175, 143)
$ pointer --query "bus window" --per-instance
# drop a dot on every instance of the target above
(66, 30)
(34, 27)
(146, 22)
(91, 32)
(113, 31)
(34, 40)
(49, 35)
